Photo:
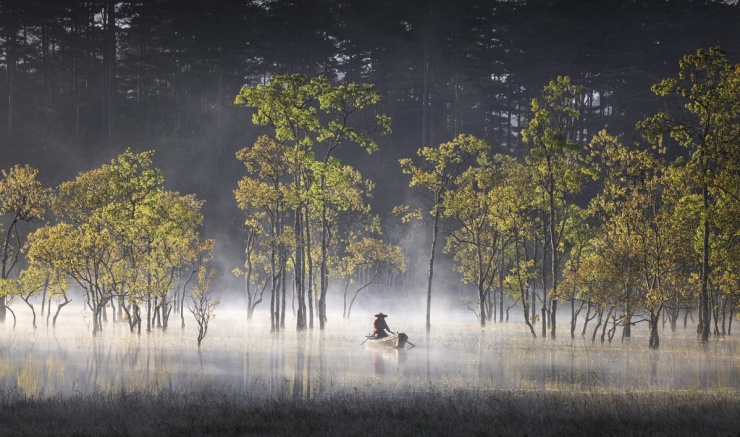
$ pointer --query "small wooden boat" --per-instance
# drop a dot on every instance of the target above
(397, 341)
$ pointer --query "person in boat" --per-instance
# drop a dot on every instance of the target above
(380, 326)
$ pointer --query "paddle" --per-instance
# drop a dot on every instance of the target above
(367, 337)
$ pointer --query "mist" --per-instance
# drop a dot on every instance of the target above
(150, 142)
(240, 356)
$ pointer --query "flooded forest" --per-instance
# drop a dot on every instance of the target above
(205, 205)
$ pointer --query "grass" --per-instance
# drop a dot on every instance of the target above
(462, 412)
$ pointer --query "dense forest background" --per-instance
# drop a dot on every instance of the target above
(84, 80)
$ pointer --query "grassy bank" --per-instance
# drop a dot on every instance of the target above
(464, 413)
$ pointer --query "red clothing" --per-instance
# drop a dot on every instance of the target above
(379, 328)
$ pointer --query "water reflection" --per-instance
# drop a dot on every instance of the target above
(311, 364)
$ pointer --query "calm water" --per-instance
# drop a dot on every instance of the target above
(245, 357)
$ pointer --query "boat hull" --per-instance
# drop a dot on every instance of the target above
(397, 341)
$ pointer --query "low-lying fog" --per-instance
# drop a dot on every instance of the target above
(245, 357)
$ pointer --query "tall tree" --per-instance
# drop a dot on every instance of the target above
(120, 235)
(22, 199)
(263, 195)
(639, 225)
(434, 176)
(553, 157)
(704, 117)
(370, 256)
(516, 214)
(314, 117)
(478, 205)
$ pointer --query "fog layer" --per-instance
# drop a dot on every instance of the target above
(245, 357)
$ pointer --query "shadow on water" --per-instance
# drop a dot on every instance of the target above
(306, 365)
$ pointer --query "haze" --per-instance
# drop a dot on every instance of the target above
(543, 195)
(243, 357)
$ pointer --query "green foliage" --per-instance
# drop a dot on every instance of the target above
(552, 114)
(120, 234)
(22, 195)
(435, 174)
(22, 199)
(707, 123)
(371, 252)
(481, 206)
(309, 117)
(308, 112)
(707, 88)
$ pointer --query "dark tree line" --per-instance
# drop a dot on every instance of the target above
(135, 70)
(85, 78)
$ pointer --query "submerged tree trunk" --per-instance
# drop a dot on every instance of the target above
(553, 256)
(654, 341)
(435, 230)
(33, 311)
(283, 287)
(600, 314)
(704, 296)
(627, 330)
(298, 285)
(574, 313)
(323, 273)
(588, 318)
(148, 314)
(59, 309)
(310, 269)
(543, 310)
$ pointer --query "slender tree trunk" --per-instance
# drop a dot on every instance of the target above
(323, 267)
(533, 283)
(33, 311)
(654, 341)
(544, 286)
(273, 273)
(435, 230)
(704, 297)
(481, 289)
(600, 315)
(553, 254)
(148, 314)
(283, 287)
(732, 316)
(5, 269)
(587, 319)
(298, 275)
(627, 331)
(501, 285)
(248, 275)
(56, 314)
(310, 269)
(573, 317)
(48, 311)
(524, 290)
(346, 291)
